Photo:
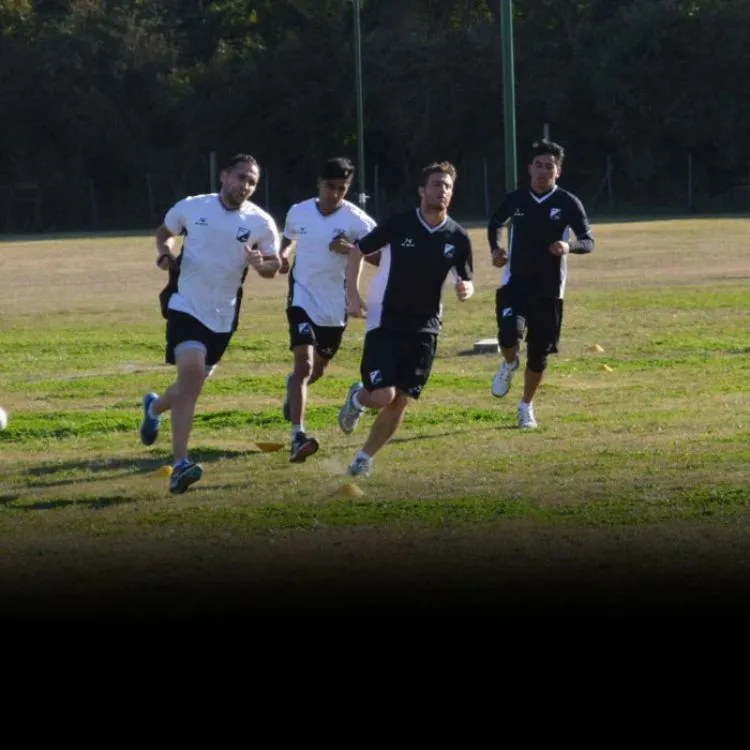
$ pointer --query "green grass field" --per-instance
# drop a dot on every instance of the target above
(656, 446)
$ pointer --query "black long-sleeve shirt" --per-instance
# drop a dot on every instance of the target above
(535, 223)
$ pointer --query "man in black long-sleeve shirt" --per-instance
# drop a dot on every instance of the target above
(419, 249)
(535, 268)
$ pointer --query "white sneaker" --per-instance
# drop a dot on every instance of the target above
(503, 377)
(349, 414)
(360, 467)
(526, 418)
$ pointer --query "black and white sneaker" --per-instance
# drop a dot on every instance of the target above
(303, 446)
(183, 475)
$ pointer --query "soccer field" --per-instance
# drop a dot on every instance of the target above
(640, 462)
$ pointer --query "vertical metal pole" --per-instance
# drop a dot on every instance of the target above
(509, 94)
(362, 198)
(212, 173)
(486, 189)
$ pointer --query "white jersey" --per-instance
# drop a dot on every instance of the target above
(317, 278)
(214, 257)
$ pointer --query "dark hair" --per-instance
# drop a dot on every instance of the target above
(338, 168)
(239, 159)
(546, 147)
(443, 167)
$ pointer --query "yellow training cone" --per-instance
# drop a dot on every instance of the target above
(606, 368)
(164, 471)
(349, 489)
(596, 348)
(269, 447)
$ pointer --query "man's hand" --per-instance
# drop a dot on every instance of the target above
(341, 245)
(464, 289)
(266, 266)
(165, 261)
(355, 307)
(284, 268)
(499, 257)
(559, 248)
(255, 257)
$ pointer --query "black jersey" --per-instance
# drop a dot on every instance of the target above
(416, 259)
(536, 222)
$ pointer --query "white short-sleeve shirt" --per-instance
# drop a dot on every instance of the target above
(213, 255)
(318, 275)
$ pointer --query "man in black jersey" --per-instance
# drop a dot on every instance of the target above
(535, 263)
(419, 248)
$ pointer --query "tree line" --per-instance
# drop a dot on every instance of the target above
(106, 92)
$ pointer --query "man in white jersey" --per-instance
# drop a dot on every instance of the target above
(224, 235)
(316, 303)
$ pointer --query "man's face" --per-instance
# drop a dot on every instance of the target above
(238, 183)
(437, 193)
(331, 192)
(544, 171)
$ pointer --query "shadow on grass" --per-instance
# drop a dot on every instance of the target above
(121, 467)
(94, 503)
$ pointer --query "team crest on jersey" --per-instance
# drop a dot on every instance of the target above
(449, 251)
(243, 235)
(339, 233)
(554, 213)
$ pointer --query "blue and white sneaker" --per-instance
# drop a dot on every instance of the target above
(360, 467)
(183, 475)
(150, 425)
(349, 414)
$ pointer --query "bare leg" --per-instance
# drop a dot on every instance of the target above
(531, 381)
(319, 367)
(386, 424)
(298, 382)
(509, 355)
(183, 396)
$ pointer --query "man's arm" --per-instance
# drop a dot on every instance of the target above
(166, 234)
(373, 242)
(463, 270)
(264, 254)
(579, 223)
(287, 246)
(496, 223)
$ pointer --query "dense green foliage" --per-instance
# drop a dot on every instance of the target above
(112, 107)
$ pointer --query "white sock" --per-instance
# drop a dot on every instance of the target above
(355, 401)
(296, 428)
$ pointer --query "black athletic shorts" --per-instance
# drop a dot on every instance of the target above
(182, 327)
(539, 317)
(400, 359)
(303, 332)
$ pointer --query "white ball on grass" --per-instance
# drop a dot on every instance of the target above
(3, 418)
